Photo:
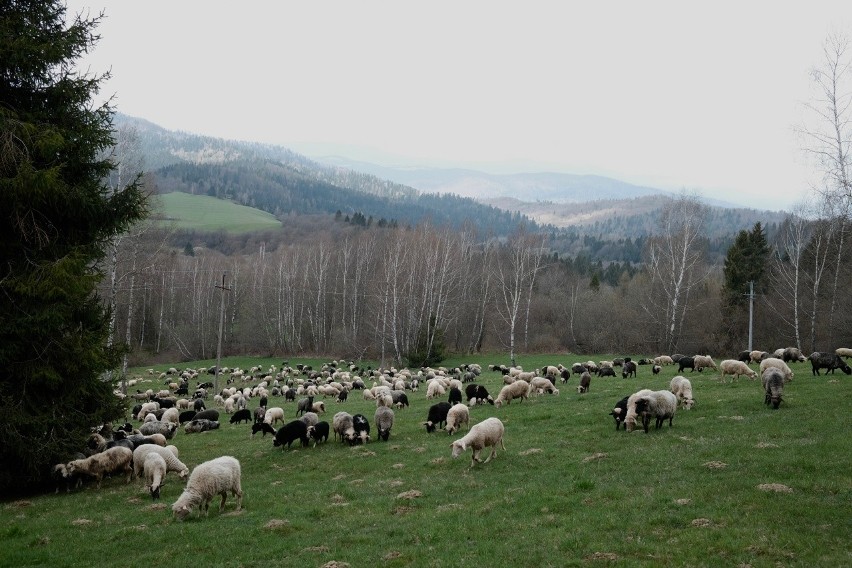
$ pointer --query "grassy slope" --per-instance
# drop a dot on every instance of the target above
(569, 490)
(205, 213)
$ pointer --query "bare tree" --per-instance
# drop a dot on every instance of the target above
(785, 273)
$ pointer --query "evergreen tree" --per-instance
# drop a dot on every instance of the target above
(744, 263)
(57, 215)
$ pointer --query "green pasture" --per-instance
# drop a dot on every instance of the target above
(205, 213)
(731, 483)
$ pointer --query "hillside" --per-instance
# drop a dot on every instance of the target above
(205, 213)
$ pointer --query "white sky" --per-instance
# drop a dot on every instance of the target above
(699, 96)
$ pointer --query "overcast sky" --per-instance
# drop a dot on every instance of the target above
(675, 95)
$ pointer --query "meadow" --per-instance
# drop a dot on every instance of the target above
(731, 483)
(205, 213)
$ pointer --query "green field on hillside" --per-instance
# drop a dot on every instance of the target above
(205, 213)
(731, 483)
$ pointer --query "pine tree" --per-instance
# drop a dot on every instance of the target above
(744, 263)
(57, 215)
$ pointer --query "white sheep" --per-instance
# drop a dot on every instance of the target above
(756, 356)
(273, 415)
(541, 384)
(434, 388)
(704, 362)
(112, 460)
(146, 409)
(155, 472)
(456, 416)
(208, 479)
(843, 352)
(383, 419)
(171, 416)
(482, 435)
(660, 404)
(735, 368)
(777, 364)
(631, 407)
(169, 455)
(343, 426)
(663, 360)
(518, 389)
(682, 389)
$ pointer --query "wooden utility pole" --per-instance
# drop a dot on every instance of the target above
(750, 312)
(224, 289)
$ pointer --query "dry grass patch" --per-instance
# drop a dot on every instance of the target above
(335, 564)
(398, 465)
(530, 452)
(391, 555)
(701, 523)
(156, 507)
(683, 501)
(603, 556)
(411, 494)
(762, 445)
(19, 504)
(276, 524)
(319, 549)
(715, 465)
(594, 457)
(81, 522)
(775, 487)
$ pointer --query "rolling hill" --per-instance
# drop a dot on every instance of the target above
(205, 213)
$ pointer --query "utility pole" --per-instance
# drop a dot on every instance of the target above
(224, 289)
(750, 312)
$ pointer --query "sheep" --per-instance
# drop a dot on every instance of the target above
(757, 356)
(341, 423)
(660, 404)
(630, 415)
(518, 389)
(437, 416)
(168, 454)
(704, 362)
(827, 361)
(262, 427)
(318, 432)
(682, 389)
(200, 425)
(186, 416)
(619, 412)
(482, 435)
(773, 384)
(655, 369)
(259, 414)
(384, 398)
(685, 362)
(541, 384)
(60, 474)
(274, 415)
(209, 414)
(318, 407)
(304, 405)
(293, 430)
(208, 479)
(585, 381)
(477, 394)
(155, 473)
(171, 415)
(362, 428)
(113, 460)
(456, 416)
(606, 372)
(167, 429)
(146, 409)
(242, 415)
(628, 369)
(400, 399)
(778, 364)
(309, 418)
(844, 352)
(735, 368)
(663, 360)
(577, 368)
(455, 395)
(434, 388)
(792, 354)
(383, 419)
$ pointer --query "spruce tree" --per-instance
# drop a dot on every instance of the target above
(744, 263)
(56, 217)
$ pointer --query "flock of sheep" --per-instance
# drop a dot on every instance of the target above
(145, 452)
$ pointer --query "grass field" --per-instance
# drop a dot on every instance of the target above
(205, 213)
(731, 483)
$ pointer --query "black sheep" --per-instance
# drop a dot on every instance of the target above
(829, 362)
(606, 372)
(400, 399)
(619, 412)
(210, 414)
(304, 405)
(263, 401)
(186, 416)
(455, 396)
(564, 374)
(262, 427)
(343, 395)
(745, 357)
(362, 428)
(287, 434)
(628, 369)
(244, 414)
(437, 416)
(319, 432)
(685, 363)
(198, 405)
(290, 395)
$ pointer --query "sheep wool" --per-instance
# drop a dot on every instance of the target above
(383, 418)
(487, 433)
(735, 368)
(777, 364)
(155, 473)
(113, 460)
(168, 454)
(518, 389)
(457, 416)
(773, 384)
(660, 404)
(211, 478)
(682, 389)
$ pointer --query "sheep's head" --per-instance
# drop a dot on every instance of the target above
(181, 512)
(688, 403)
(457, 448)
(430, 426)
(155, 492)
(183, 473)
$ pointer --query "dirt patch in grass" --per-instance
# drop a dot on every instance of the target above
(762, 445)
(603, 556)
(319, 549)
(276, 524)
(530, 452)
(411, 494)
(715, 465)
(436, 461)
(450, 507)
(701, 523)
(775, 487)
(419, 449)
(19, 504)
(683, 501)
(398, 465)
(81, 522)
(391, 555)
(402, 510)
(335, 564)
(594, 457)
(156, 507)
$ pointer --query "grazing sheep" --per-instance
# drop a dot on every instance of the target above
(606, 372)
(318, 407)
(437, 416)
(455, 395)
(735, 368)
(304, 405)
(400, 399)
(661, 405)
(209, 414)
(262, 427)
(186, 416)
(434, 388)
(843, 352)
(155, 472)
(577, 368)
(682, 389)
(477, 394)
(293, 430)
(628, 369)
(773, 384)
(274, 415)
(619, 412)
(167, 429)
(792, 354)
(319, 432)
(171, 415)
(541, 384)
(242, 415)
(113, 460)
(361, 427)
(482, 435)
(655, 369)
(456, 416)
(704, 362)
(259, 414)
(200, 425)
(63, 478)
(342, 425)
(757, 356)
(630, 415)
(585, 381)
(169, 455)
(211, 478)
(383, 419)
(829, 362)
(778, 364)
(518, 389)
(663, 360)
(685, 362)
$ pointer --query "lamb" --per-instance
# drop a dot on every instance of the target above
(518, 389)
(318, 432)
(362, 428)
(287, 434)
(619, 412)
(773, 383)
(704, 362)
(682, 389)
(274, 415)
(242, 415)
(585, 381)
(167, 429)
(778, 364)
(477, 394)
(211, 478)
(659, 404)
(155, 473)
(540, 384)
(735, 368)
(827, 361)
(456, 416)
(169, 455)
(437, 416)
(117, 459)
(200, 425)
(482, 435)
(341, 423)
(383, 419)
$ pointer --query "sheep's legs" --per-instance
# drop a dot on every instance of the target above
(224, 495)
